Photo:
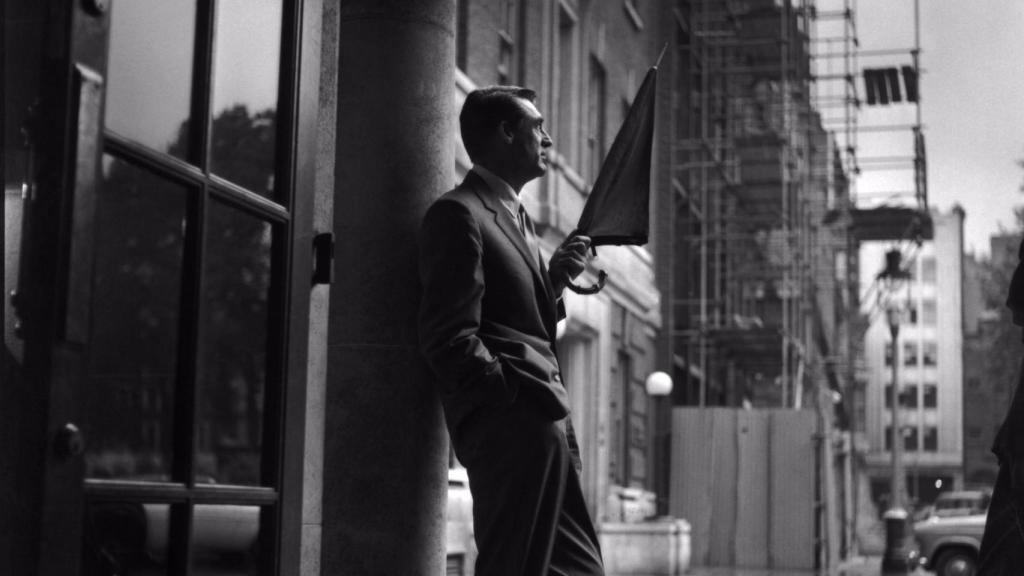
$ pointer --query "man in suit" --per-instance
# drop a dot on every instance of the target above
(487, 328)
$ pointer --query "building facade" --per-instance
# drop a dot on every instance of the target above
(929, 364)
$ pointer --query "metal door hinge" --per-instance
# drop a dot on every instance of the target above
(323, 258)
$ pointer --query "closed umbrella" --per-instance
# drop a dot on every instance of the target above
(617, 212)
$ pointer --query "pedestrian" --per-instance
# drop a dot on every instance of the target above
(1002, 546)
(487, 329)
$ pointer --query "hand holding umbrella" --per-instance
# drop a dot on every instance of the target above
(568, 261)
(617, 210)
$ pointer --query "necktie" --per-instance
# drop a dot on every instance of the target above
(527, 231)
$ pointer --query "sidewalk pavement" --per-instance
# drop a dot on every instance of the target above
(860, 566)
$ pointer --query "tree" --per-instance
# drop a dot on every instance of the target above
(139, 279)
(1003, 337)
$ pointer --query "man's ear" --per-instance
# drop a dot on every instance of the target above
(508, 131)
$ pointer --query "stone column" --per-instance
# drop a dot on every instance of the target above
(385, 452)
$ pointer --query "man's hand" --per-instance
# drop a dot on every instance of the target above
(568, 261)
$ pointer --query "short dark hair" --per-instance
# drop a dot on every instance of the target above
(485, 109)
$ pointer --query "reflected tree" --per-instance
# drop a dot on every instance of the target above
(139, 277)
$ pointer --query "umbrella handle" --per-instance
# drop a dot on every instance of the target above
(601, 277)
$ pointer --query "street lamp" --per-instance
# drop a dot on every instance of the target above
(658, 386)
(900, 556)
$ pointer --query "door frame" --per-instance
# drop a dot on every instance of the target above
(46, 524)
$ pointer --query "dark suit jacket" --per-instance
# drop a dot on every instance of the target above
(488, 314)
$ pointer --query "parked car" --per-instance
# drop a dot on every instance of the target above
(950, 536)
(461, 545)
(961, 503)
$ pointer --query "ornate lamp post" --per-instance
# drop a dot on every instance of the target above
(900, 555)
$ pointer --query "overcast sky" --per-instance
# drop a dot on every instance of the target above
(972, 97)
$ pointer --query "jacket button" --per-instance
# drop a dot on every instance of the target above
(557, 377)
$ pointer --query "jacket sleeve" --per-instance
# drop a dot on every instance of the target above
(452, 280)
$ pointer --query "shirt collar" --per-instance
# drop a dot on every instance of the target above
(506, 194)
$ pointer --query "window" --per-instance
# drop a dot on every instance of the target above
(566, 140)
(931, 395)
(910, 438)
(596, 117)
(888, 353)
(928, 268)
(888, 396)
(929, 312)
(622, 417)
(195, 218)
(888, 438)
(910, 353)
(930, 356)
(508, 19)
(931, 439)
(908, 396)
(577, 358)
(461, 33)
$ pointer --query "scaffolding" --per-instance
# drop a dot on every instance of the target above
(870, 215)
(748, 166)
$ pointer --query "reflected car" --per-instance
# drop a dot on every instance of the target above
(461, 545)
(950, 536)
(128, 536)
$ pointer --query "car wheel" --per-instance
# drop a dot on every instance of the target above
(958, 562)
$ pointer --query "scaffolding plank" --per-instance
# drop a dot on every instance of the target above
(886, 223)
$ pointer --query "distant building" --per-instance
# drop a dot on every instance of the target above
(930, 365)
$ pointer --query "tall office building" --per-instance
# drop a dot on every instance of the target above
(929, 363)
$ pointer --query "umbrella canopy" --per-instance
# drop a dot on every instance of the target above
(617, 212)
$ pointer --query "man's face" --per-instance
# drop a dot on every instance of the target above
(530, 143)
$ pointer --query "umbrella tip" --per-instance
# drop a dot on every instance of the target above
(662, 54)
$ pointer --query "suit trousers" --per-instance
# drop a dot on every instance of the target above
(529, 515)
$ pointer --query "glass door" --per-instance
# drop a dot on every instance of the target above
(182, 277)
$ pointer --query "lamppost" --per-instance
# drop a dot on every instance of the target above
(659, 386)
(900, 556)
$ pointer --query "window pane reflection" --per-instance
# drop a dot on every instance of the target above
(247, 56)
(237, 280)
(125, 538)
(133, 357)
(14, 212)
(150, 72)
(225, 540)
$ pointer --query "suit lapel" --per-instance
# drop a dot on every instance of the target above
(507, 225)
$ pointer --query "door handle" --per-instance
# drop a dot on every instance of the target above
(70, 442)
